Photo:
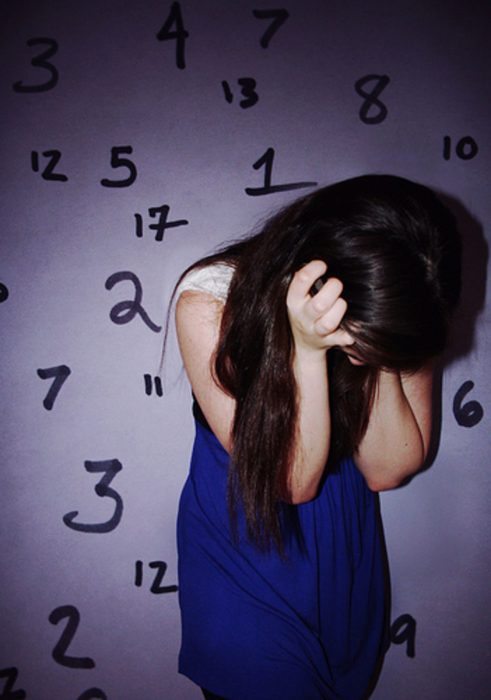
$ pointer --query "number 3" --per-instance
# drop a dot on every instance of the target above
(40, 61)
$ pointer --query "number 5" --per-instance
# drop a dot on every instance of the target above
(118, 162)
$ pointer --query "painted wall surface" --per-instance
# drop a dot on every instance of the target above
(135, 137)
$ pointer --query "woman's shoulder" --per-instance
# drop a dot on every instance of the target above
(213, 279)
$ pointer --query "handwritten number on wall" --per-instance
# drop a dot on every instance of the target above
(148, 385)
(266, 160)
(4, 292)
(8, 692)
(41, 61)
(161, 225)
(118, 162)
(468, 414)
(465, 149)
(53, 157)
(156, 586)
(403, 631)
(248, 91)
(229, 95)
(278, 17)
(111, 467)
(48, 173)
(60, 373)
(371, 98)
(179, 34)
(93, 694)
(125, 311)
(59, 655)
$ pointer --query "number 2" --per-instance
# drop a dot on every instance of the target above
(73, 615)
(8, 692)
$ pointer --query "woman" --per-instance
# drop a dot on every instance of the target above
(309, 350)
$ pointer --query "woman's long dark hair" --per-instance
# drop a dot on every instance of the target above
(396, 249)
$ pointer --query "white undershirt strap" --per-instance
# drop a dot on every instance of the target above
(214, 279)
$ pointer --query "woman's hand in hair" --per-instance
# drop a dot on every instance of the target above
(315, 320)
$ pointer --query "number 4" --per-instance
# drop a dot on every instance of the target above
(179, 34)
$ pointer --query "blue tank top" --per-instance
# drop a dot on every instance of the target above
(258, 626)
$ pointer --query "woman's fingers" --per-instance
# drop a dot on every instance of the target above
(329, 322)
(315, 319)
(302, 282)
(341, 339)
(299, 291)
(325, 299)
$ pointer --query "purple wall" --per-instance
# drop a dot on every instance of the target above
(88, 600)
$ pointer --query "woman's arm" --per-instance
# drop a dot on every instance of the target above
(198, 318)
(397, 439)
(315, 327)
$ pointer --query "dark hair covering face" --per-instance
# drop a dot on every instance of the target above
(396, 249)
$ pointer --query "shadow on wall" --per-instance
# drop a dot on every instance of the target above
(475, 253)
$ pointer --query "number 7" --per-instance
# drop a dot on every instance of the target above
(278, 17)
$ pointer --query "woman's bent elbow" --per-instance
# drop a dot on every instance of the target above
(297, 500)
(384, 484)
(386, 481)
(297, 496)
